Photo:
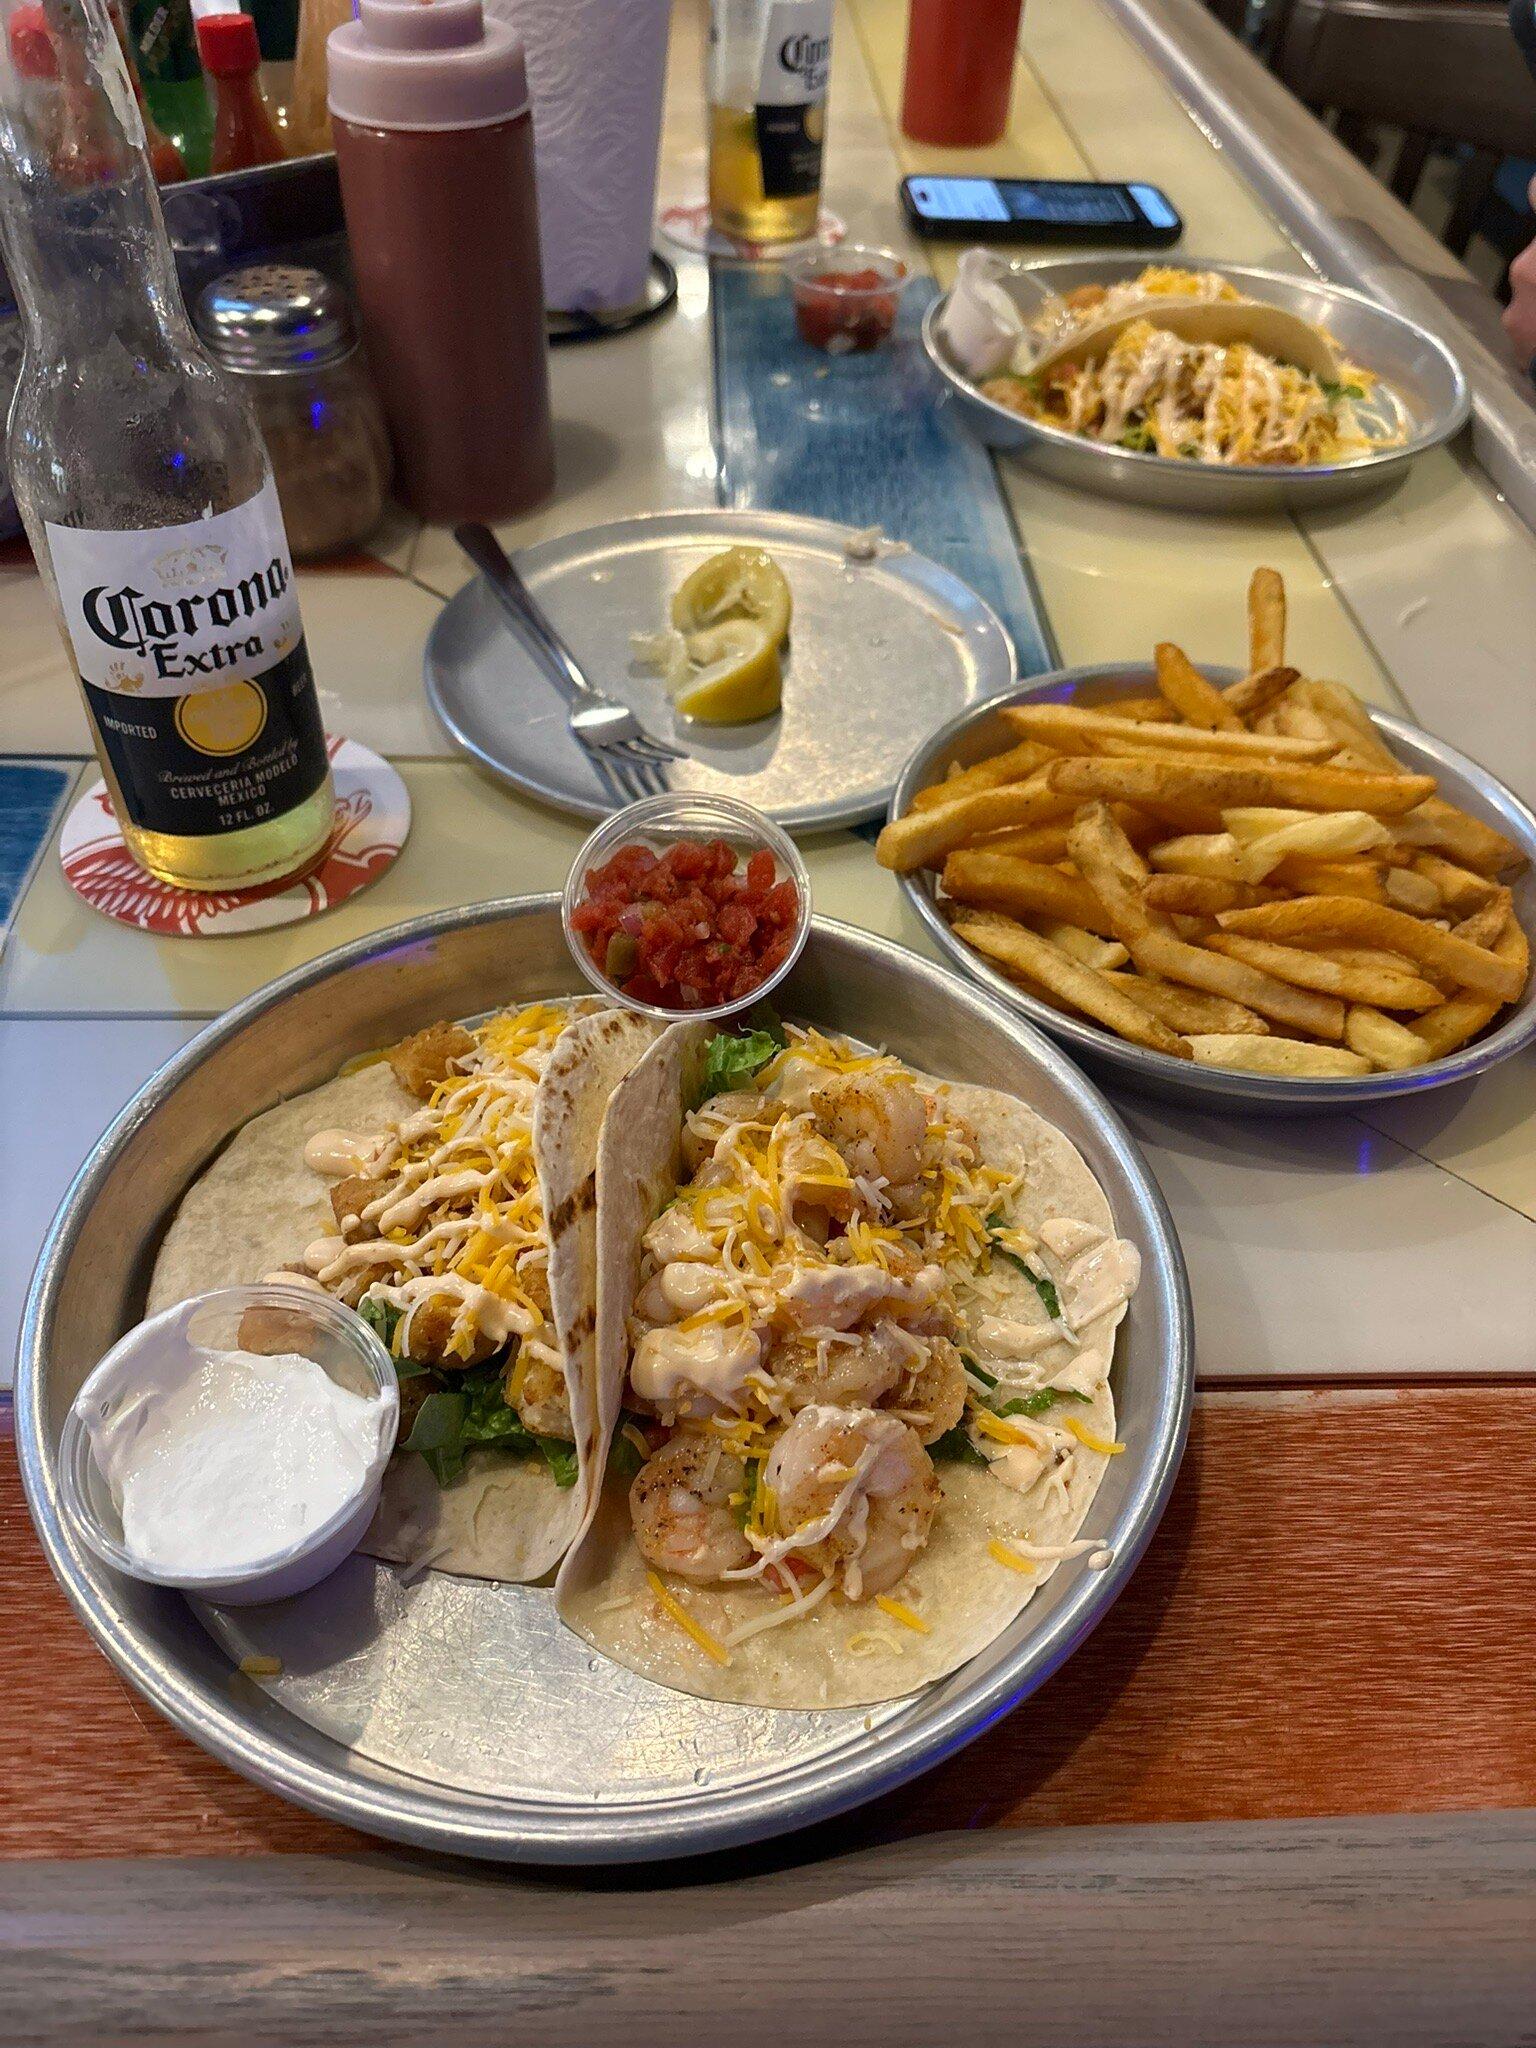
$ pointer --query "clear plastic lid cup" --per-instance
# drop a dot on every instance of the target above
(845, 318)
(297, 1318)
(660, 822)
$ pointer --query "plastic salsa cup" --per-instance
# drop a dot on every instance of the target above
(846, 298)
(686, 902)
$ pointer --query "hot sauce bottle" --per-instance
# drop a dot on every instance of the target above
(244, 132)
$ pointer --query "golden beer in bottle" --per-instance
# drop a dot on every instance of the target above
(144, 485)
(768, 63)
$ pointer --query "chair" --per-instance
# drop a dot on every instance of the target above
(1434, 68)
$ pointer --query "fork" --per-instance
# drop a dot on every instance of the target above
(623, 752)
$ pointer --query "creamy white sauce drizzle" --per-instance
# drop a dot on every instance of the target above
(223, 1460)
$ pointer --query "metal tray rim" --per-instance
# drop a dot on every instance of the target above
(1178, 1079)
(797, 820)
(1209, 479)
(415, 1812)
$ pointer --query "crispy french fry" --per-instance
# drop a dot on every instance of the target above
(915, 840)
(1268, 835)
(1022, 888)
(1146, 710)
(1084, 946)
(1385, 1043)
(1187, 1009)
(1266, 619)
(1288, 1058)
(1306, 876)
(1461, 890)
(1220, 785)
(1082, 987)
(1411, 891)
(1485, 925)
(1252, 695)
(1214, 855)
(1204, 895)
(1299, 1009)
(1349, 721)
(1295, 722)
(1013, 764)
(1377, 924)
(1446, 1029)
(1435, 822)
(1046, 843)
(1196, 700)
(1070, 729)
(1354, 984)
(1112, 870)
(1374, 956)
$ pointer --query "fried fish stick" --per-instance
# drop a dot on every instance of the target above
(1195, 699)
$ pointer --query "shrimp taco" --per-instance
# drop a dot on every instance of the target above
(855, 1329)
(445, 1190)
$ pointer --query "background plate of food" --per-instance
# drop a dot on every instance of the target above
(1199, 386)
(445, 1705)
(1241, 888)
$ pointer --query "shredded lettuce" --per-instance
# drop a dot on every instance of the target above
(382, 1317)
(1038, 1402)
(1046, 1289)
(472, 1409)
(955, 1446)
(732, 1061)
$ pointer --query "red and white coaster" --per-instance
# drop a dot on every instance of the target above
(689, 227)
(373, 816)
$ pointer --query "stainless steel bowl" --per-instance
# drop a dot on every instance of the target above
(982, 732)
(463, 1716)
(1422, 390)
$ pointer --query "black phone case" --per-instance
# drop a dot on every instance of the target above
(1128, 234)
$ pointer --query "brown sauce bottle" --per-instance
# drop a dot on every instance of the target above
(434, 141)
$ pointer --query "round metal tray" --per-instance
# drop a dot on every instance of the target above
(861, 632)
(982, 732)
(1422, 390)
(463, 1716)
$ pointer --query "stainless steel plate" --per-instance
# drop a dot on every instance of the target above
(462, 1716)
(878, 652)
(1463, 782)
(1423, 392)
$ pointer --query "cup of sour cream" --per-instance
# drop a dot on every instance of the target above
(233, 1446)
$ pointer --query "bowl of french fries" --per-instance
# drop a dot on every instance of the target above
(1240, 885)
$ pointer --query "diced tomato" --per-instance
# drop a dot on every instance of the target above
(694, 929)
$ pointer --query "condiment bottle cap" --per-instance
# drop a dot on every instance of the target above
(32, 50)
(437, 66)
(228, 45)
(270, 318)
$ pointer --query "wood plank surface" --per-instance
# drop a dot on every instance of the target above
(1335, 1617)
(1400, 1932)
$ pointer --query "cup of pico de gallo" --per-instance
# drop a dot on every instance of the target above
(687, 905)
(234, 1445)
(846, 297)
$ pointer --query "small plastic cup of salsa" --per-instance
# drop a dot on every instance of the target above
(846, 298)
(687, 905)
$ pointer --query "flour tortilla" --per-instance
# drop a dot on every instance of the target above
(1270, 329)
(258, 1205)
(841, 1655)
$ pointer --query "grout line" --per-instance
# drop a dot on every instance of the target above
(1355, 1116)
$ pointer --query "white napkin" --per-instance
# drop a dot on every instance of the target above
(596, 75)
(980, 322)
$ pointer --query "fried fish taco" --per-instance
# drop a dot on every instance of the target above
(855, 1329)
(447, 1192)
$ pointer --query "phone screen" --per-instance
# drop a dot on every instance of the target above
(1064, 202)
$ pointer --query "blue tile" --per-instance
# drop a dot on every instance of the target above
(870, 440)
(30, 795)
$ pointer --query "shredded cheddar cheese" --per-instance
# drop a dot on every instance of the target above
(676, 1611)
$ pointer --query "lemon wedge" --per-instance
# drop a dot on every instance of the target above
(741, 583)
(736, 675)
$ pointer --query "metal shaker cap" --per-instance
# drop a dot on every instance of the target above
(269, 319)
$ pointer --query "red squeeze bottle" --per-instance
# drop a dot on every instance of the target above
(243, 133)
(959, 71)
(434, 144)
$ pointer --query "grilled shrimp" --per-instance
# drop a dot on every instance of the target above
(680, 1505)
(868, 1476)
(879, 1123)
(844, 1374)
(933, 1389)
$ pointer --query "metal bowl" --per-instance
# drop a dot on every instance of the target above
(1423, 392)
(982, 732)
(463, 1716)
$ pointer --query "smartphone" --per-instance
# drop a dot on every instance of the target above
(1041, 210)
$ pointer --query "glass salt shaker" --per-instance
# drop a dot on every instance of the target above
(287, 332)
